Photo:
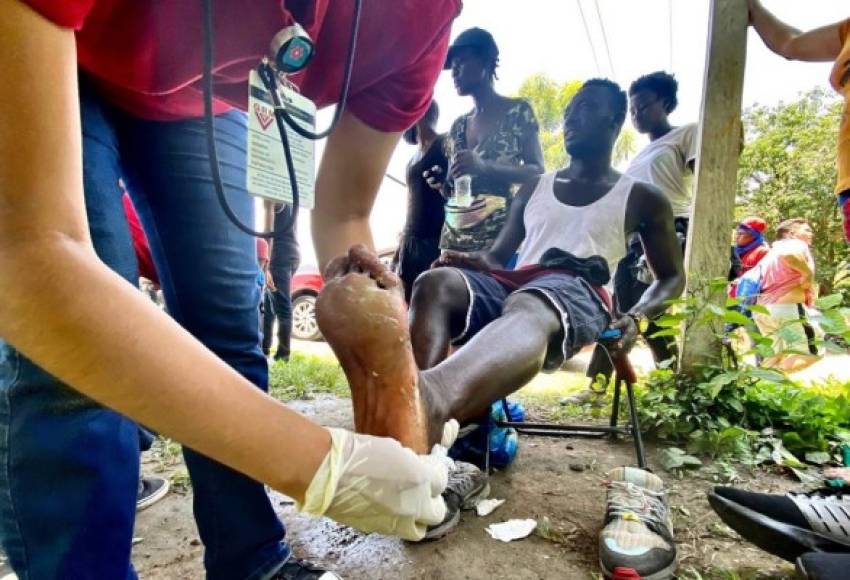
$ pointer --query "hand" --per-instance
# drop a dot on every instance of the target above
(468, 260)
(752, 5)
(270, 281)
(628, 333)
(467, 162)
(435, 178)
(376, 485)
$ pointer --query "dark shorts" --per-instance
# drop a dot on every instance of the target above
(583, 314)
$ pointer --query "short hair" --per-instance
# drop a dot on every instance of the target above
(619, 101)
(788, 226)
(663, 84)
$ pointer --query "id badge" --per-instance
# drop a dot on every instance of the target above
(267, 176)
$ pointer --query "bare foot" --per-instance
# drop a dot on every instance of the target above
(362, 315)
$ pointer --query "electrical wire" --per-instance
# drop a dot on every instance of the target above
(589, 39)
(605, 39)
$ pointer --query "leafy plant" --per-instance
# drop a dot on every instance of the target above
(733, 410)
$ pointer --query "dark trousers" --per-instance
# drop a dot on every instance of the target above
(277, 304)
(415, 255)
(628, 290)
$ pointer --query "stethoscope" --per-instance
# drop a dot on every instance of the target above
(291, 50)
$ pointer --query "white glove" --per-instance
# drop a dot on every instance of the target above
(376, 485)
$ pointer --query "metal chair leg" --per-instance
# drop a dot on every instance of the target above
(638, 439)
(615, 406)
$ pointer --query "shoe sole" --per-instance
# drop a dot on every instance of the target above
(443, 528)
(153, 498)
(664, 574)
(783, 540)
(800, 569)
(469, 503)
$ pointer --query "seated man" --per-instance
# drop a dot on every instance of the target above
(513, 324)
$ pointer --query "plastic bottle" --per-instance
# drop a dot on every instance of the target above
(463, 191)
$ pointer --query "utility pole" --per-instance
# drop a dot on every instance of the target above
(712, 217)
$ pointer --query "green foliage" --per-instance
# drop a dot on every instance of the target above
(549, 98)
(734, 411)
(304, 376)
(787, 169)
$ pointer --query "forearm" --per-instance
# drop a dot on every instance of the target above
(818, 45)
(512, 173)
(776, 34)
(110, 343)
(655, 300)
(351, 172)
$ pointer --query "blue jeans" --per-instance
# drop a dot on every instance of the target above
(69, 468)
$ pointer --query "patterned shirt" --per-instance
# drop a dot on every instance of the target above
(477, 226)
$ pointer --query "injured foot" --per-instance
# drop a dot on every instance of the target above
(362, 315)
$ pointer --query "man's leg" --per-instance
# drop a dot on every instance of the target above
(501, 358)
(282, 305)
(268, 316)
(69, 468)
(208, 271)
(438, 313)
(628, 291)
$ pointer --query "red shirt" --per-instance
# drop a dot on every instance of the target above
(147, 57)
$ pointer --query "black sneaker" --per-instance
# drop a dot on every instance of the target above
(467, 485)
(151, 490)
(296, 569)
(788, 525)
(823, 566)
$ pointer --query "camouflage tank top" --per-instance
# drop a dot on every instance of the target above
(477, 226)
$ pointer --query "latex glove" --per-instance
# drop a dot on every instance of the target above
(376, 485)
(450, 432)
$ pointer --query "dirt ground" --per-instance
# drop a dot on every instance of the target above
(560, 480)
(541, 484)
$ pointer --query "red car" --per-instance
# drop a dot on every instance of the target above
(306, 285)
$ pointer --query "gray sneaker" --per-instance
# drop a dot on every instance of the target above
(637, 540)
(467, 485)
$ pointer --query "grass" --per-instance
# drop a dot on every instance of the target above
(305, 376)
(166, 452)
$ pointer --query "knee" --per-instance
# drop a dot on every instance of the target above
(438, 287)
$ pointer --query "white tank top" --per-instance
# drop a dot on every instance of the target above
(597, 229)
